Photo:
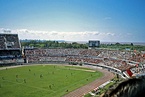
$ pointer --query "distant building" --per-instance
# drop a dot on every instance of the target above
(94, 44)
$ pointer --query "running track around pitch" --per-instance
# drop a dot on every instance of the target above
(80, 92)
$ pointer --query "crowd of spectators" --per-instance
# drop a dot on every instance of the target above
(62, 52)
(2, 42)
(116, 54)
(118, 59)
(83, 60)
(77, 55)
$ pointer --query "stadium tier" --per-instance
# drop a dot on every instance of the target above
(10, 49)
(9, 41)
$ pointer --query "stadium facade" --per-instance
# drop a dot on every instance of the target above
(10, 49)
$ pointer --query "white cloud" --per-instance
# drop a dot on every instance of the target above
(3, 30)
(68, 36)
(110, 34)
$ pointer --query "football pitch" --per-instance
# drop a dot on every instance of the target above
(44, 80)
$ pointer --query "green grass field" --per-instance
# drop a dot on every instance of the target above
(43, 80)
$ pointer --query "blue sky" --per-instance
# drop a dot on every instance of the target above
(75, 20)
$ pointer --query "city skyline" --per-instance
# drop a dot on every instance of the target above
(74, 20)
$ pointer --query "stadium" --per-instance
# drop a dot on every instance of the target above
(123, 64)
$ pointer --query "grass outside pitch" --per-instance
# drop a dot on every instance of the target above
(43, 80)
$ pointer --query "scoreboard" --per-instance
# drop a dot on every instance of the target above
(94, 43)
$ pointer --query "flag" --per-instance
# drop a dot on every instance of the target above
(129, 72)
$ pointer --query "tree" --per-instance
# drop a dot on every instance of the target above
(131, 44)
(117, 43)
